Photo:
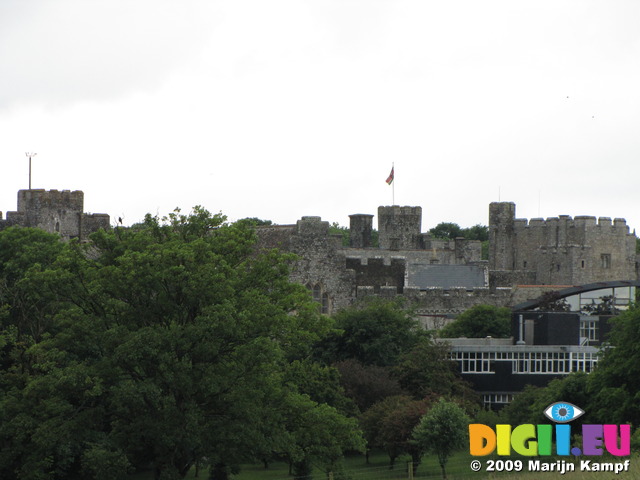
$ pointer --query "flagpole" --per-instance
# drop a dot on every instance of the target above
(30, 155)
(393, 184)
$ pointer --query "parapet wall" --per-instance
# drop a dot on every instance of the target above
(399, 227)
(566, 230)
(92, 222)
(560, 250)
(30, 201)
(440, 302)
(57, 212)
(378, 272)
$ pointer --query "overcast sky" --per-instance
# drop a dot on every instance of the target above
(279, 109)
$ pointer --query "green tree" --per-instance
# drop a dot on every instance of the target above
(480, 321)
(318, 434)
(367, 384)
(442, 431)
(29, 313)
(27, 317)
(523, 408)
(446, 230)
(615, 385)
(529, 406)
(428, 371)
(164, 344)
(477, 232)
(323, 384)
(344, 232)
(388, 425)
(255, 222)
(336, 229)
(375, 332)
(450, 231)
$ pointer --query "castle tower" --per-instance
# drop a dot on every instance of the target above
(53, 210)
(399, 227)
(360, 228)
(502, 217)
(56, 212)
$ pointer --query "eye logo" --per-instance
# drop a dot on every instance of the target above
(563, 412)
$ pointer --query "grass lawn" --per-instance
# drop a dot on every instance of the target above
(458, 468)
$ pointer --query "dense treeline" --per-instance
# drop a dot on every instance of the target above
(174, 344)
(157, 347)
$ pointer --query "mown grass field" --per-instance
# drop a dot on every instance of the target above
(458, 468)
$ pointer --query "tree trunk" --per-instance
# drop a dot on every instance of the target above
(302, 469)
(219, 472)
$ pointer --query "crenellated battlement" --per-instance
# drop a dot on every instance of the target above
(40, 198)
(56, 211)
(445, 277)
(560, 249)
(579, 222)
(399, 228)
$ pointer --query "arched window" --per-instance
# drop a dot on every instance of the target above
(316, 293)
(325, 304)
(321, 297)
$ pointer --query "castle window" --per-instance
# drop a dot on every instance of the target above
(322, 298)
(316, 293)
(58, 227)
(582, 263)
(606, 260)
(524, 264)
(325, 303)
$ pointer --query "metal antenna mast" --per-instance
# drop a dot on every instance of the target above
(30, 155)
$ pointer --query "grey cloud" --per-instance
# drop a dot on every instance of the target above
(56, 53)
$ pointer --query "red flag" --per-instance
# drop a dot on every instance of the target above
(390, 177)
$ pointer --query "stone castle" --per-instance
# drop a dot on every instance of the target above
(55, 211)
(442, 278)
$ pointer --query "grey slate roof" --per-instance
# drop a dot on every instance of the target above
(446, 276)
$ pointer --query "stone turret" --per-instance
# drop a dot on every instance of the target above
(360, 228)
(57, 212)
(399, 227)
(502, 216)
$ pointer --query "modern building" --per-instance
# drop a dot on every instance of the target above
(543, 345)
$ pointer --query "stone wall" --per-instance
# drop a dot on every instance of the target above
(360, 230)
(527, 258)
(560, 250)
(377, 272)
(320, 264)
(399, 227)
(55, 211)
